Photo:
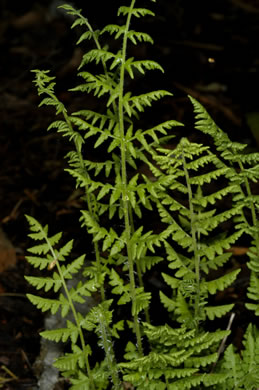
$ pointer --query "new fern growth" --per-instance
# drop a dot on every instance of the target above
(186, 191)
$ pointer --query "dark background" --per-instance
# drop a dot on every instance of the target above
(209, 49)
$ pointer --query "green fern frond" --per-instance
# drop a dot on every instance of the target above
(119, 288)
(70, 361)
(253, 264)
(133, 36)
(73, 267)
(62, 334)
(221, 283)
(137, 12)
(243, 371)
(218, 245)
(208, 177)
(181, 366)
(141, 302)
(39, 262)
(137, 36)
(95, 117)
(218, 195)
(213, 312)
(253, 293)
(168, 303)
(44, 304)
(47, 283)
(113, 29)
(98, 85)
(97, 56)
(144, 100)
(180, 263)
(214, 263)
(87, 35)
(147, 262)
(101, 233)
(141, 66)
(100, 375)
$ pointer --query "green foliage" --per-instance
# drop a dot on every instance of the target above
(243, 369)
(242, 171)
(186, 189)
(177, 359)
(192, 220)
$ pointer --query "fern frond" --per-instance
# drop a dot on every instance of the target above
(62, 334)
(142, 101)
(47, 283)
(253, 293)
(97, 56)
(218, 245)
(182, 366)
(213, 312)
(147, 262)
(133, 36)
(141, 66)
(99, 85)
(137, 36)
(44, 304)
(168, 303)
(218, 195)
(96, 117)
(141, 302)
(221, 283)
(243, 371)
(208, 177)
(113, 29)
(214, 263)
(119, 288)
(70, 361)
(73, 267)
(39, 262)
(137, 12)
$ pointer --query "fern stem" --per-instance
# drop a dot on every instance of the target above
(194, 243)
(125, 198)
(97, 43)
(72, 307)
(109, 352)
(139, 272)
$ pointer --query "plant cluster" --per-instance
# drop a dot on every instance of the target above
(186, 188)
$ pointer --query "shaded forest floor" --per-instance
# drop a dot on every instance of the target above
(209, 51)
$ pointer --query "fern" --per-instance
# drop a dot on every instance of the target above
(177, 359)
(185, 189)
(65, 302)
(243, 371)
(190, 226)
(242, 170)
